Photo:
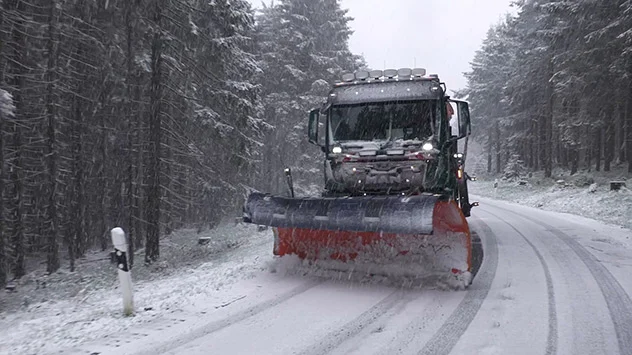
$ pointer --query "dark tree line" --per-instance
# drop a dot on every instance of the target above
(553, 86)
(151, 115)
(109, 127)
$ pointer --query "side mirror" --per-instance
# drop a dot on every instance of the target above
(465, 127)
(462, 118)
(312, 128)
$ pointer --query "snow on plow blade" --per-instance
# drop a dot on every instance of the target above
(425, 229)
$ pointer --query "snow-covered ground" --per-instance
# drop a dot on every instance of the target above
(584, 194)
(549, 283)
(48, 313)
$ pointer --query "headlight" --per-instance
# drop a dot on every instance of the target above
(336, 150)
(427, 147)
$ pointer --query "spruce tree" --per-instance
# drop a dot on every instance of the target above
(303, 48)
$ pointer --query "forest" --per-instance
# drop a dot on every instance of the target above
(551, 87)
(151, 115)
(155, 115)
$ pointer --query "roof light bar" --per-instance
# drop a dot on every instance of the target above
(404, 73)
(376, 74)
(390, 73)
(348, 77)
(418, 72)
(362, 75)
(398, 74)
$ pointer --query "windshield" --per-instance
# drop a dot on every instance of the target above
(413, 120)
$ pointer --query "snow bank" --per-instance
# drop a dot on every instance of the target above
(75, 308)
(585, 194)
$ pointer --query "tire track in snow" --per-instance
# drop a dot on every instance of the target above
(338, 336)
(451, 331)
(618, 301)
(551, 342)
(220, 324)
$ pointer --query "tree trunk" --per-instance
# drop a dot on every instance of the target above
(53, 263)
(619, 141)
(542, 125)
(531, 153)
(76, 239)
(139, 198)
(628, 126)
(168, 198)
(152, 249)
(588, 149)
(598, 145)
(17, 82)
(574, 157)
(104, 238)
(129, 134)
(537, 145)
(609, 141)
(548, 124)
(3, 259)
(563, 155)
(499, 168)
(490, 147)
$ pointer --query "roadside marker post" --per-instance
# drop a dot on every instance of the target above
(125, 277)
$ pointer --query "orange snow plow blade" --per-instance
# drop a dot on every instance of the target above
(447, 249)
(426, 232)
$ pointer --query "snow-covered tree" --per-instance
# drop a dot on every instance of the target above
(514, 169)
(303, 48)
(142, 114)
(564, 83)
(490, 72)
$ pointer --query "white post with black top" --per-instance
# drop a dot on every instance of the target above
(125, 277)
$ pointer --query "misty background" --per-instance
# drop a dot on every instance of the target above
(440, 36)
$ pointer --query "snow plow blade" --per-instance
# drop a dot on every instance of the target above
(423, 229)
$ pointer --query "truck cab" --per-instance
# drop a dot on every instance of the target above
(389, 132)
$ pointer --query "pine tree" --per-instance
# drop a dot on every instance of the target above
(87, 165)
(52, 103)
(303, 45)
(564, 106)
(490, 72)
(7, 110)
(152, 246)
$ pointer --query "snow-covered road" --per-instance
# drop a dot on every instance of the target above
(550, 283)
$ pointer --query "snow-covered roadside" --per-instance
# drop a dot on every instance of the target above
(56, 319)
(592, 200)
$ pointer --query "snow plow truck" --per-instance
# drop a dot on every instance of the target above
(394, 184)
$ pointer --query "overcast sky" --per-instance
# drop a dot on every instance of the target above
(439, 35)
